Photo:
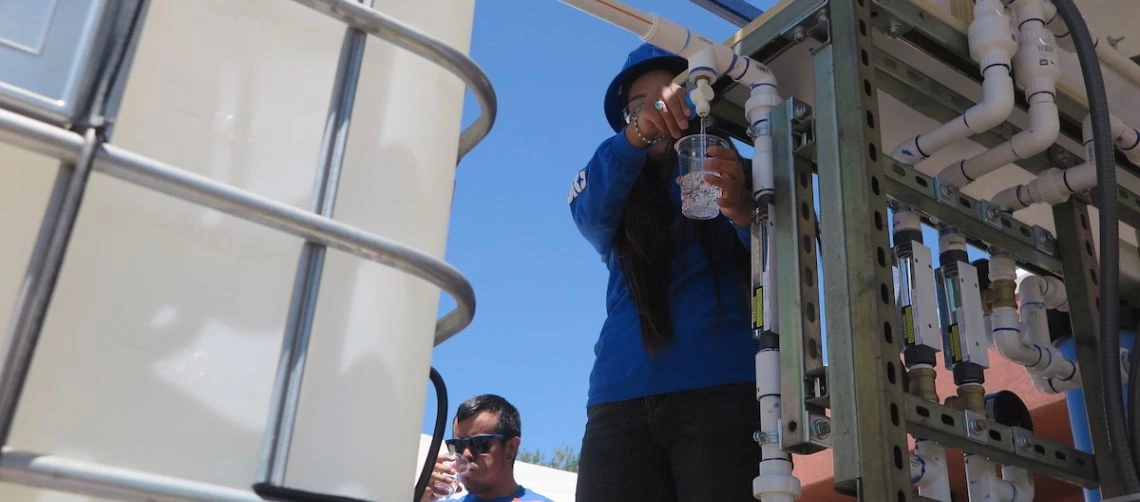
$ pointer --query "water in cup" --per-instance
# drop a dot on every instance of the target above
(698, 198)
(459, 465)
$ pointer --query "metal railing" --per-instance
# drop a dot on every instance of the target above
(84, 151)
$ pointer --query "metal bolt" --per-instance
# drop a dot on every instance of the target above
(947, 191)
(992, 213)
(799, 34)
(822, 17)
(977, 425)
(1061, 156)
(800, 112)
(894, 29)
(821, 428)
(1022, 442)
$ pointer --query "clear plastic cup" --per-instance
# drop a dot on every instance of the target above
(460, 465)
(698, 198)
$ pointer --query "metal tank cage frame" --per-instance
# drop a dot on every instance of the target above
(81, 143)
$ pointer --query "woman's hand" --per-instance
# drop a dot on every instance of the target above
(735, 200)
(654, 121)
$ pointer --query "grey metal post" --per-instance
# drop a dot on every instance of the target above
(286, 395)
(869, 434)
(797, 293)
(1079, 262)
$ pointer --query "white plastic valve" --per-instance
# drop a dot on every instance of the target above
(702, 96)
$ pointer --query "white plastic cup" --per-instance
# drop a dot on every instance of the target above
(698, 197)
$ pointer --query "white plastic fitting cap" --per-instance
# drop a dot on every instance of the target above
(1002, 267)
(776, 483)
(952, 241)
(701, 96)
(907, 220)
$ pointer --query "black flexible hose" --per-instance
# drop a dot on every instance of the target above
(1119, 446)
(1134, 401)
(436, 436)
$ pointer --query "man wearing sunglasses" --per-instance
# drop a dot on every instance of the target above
(487, 432)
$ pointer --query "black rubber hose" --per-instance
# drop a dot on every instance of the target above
(1134, 401)
(436, 436)
(1118, 431)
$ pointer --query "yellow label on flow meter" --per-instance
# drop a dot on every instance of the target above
(758, 308)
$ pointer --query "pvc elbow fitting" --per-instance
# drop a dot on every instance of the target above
(1044, 126)
(908, 152)
(1049, 291)
(1011, 199)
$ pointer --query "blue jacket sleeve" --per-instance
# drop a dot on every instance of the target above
(600, 190)
(745, 235)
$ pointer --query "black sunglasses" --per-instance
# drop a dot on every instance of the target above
(477, 444)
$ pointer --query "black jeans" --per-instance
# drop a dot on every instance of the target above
(689, 446)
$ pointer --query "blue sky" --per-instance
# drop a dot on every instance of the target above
(540, 287)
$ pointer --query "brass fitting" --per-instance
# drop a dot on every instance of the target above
(1003, 293)
(973, 398)
(953, 402)
(987, 301)
(922, 383)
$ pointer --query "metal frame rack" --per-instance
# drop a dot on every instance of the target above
(78, 134)
(870, 415)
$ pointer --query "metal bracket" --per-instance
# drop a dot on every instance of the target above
(816, 27)
(990, 213)
(946, 194)
(977, 427)
(803, 126)
(1044, 241)
(821, 430)
(1022, 439)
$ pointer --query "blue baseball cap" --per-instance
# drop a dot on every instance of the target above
(641, 60)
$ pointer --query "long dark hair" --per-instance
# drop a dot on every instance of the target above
(649, 236)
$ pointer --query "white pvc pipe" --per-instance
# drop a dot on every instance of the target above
(1016, 485)
(711, 61)
(1036, 294)
(775, 483)
(1037, 71)
(981, 478)
(983, 483)
(1052, 372)
(1125, 137)
(618, 14)
(992, 45)
(928, 471)
(1104, 51)
(1054, 186)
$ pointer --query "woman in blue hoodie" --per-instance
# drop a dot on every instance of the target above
(672, 402)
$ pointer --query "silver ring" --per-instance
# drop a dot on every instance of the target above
(660, 105)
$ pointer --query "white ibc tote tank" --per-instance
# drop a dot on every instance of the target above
(162, 340)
